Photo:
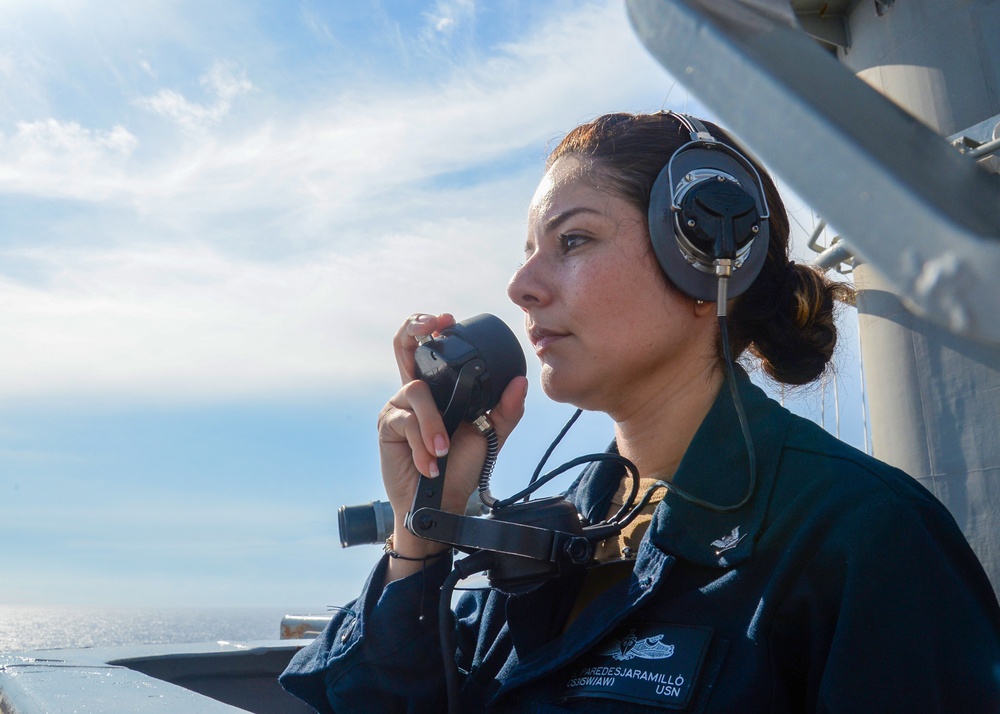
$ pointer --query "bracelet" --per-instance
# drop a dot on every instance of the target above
(389, 550)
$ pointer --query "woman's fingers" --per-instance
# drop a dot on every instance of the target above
(433, 436)
(508, 412)
(412, 417)
(426, 433)
(409, 335)
(420, 423)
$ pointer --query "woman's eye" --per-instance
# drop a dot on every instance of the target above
(569, 241)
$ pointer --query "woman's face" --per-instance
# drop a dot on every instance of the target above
(604, 324)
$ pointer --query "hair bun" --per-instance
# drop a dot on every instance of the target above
(796, 346)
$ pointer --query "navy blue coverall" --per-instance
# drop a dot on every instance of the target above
(842, 586)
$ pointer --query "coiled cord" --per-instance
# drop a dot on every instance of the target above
(492, 452)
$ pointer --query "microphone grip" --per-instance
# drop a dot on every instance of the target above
(365, 523)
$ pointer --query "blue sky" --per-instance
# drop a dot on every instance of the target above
(213, 216)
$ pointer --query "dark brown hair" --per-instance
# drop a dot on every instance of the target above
(786, 318)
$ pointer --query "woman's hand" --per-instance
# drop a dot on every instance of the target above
(412, 436)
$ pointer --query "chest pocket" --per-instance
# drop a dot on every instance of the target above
(652, 664)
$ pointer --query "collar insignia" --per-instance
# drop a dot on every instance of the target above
(728, 542)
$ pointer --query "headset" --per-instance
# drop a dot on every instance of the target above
(708, 218)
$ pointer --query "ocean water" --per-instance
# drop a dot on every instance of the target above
(24, 627)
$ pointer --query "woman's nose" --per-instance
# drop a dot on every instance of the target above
(527, 288)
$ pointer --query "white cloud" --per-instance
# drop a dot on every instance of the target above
(352, 150)
(146, 67)
(450, 15)
(224, 82)
(50, 157)
(347, 148)
(242, 255)
(181, 322)
(61, 139)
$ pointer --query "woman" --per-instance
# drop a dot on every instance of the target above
(818, 580)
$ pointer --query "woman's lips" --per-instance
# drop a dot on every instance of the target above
(541, 338)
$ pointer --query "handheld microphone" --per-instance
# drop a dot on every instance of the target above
(467, 367)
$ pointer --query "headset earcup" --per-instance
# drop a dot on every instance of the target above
(701, 284)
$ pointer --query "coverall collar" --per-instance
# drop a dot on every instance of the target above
(715, 469)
